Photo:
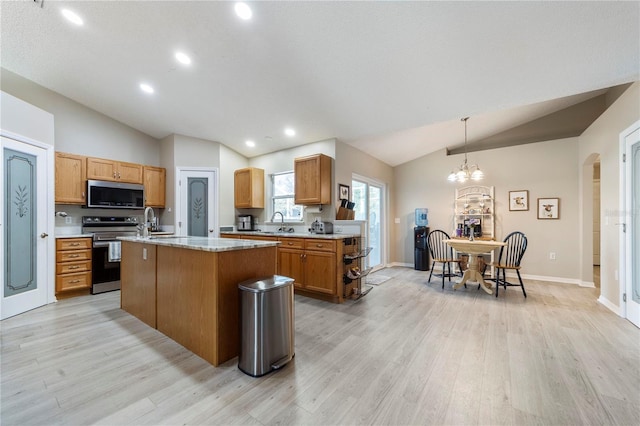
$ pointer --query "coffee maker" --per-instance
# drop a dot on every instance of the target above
(245, 222)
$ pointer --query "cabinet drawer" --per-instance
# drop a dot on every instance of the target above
(293, 243)
(70, 267)
(319, 245)
(73, 281)
(73, 255)
(73, 243)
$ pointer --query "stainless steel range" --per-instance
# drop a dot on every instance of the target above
(106, 248)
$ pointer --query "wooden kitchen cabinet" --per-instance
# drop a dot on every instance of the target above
(154, 186)
(249, 188)
(111, 170)
(313, 179)
(315, 264)
(73, 266)
(71, 178)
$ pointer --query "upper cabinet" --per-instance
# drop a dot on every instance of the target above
(110, 170)
(313, 179)
(249, 188)
(71, 177)
(154, 186)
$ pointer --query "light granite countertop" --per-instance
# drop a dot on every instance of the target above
(202, 243)
(291, 235)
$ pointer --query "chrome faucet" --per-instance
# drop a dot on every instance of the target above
(282, 223)
(147, 224)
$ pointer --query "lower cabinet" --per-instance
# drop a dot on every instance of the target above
(311, 262)
(73, 266)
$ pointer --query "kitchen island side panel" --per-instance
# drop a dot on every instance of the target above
(186, 299)
(233, 268)
(197, 296)
(138, 281)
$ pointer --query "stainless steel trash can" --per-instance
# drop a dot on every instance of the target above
(266, 324)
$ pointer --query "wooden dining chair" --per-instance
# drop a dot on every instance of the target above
(441, 252)
(509, 258)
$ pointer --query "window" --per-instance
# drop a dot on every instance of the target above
(282, 199)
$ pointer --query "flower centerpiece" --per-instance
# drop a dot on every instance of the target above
(472, 224)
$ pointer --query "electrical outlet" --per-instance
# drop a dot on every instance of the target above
(68, 220)
(144, 253)
(397, 220)
(552, 255)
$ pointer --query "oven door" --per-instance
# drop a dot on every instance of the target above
(105, 273)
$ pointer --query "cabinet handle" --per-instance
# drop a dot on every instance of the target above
(118, 175)
(290, 243)
(114, 175)
(319, 245)
(74, 267)
(74, 281)
(74, 255)
(74, 244)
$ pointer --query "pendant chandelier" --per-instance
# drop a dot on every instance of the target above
(465, 171)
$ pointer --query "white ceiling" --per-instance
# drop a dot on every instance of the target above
(391, 78)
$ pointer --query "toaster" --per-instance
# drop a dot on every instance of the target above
(318, 227)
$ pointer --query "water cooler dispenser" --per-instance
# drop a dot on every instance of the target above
(420, 232)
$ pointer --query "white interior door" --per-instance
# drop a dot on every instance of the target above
(25, 239)
(631, 166)
(196, 210)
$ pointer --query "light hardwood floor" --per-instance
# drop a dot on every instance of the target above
(407, 353)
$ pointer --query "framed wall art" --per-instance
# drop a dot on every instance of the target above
(343, 192)
(548, 208)
(519, 200)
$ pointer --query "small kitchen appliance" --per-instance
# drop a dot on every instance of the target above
(245, 222)
(318, 227)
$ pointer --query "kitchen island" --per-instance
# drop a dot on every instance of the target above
(187, 287)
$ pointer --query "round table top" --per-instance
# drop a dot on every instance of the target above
(476, 246)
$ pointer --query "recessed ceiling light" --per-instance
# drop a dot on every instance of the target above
(243, 10)
(250, 144)
(289, 131)
(146, 88)
(182, 58)
(72, 16)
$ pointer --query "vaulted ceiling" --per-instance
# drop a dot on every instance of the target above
(390, 78)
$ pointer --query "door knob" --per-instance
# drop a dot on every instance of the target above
(44, 235)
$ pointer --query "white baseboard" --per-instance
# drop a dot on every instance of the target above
(405, 265)
(611, 306)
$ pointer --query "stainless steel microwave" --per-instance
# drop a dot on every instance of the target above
(114, 195)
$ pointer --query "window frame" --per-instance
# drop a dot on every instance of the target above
(284, 197)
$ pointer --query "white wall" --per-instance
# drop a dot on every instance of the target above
(282, 161)
(602, 138)
(230, 161)
(545, 169)
(83, 131)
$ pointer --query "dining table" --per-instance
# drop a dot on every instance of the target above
(474, 248)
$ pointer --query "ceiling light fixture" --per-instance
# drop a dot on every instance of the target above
(289, 132)
(72, 17)
(250, 144)
(146, 88)
(243, 11)
(183, 58)
(465, 172)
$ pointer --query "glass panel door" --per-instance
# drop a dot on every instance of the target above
(24, 232)
(369, 206)
(20, 220)
(198, 202)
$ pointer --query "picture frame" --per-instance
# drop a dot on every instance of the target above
(344, 192)
(519, 200)
(548, 208)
